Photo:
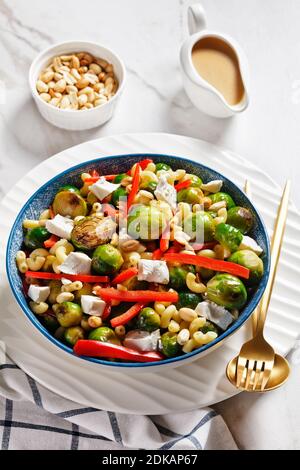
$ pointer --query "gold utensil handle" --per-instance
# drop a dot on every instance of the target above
(275, 253)
(248, 192)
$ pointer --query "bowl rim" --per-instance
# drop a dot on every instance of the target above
(39, 56)
(247, 311)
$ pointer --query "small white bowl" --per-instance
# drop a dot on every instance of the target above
(76, 120)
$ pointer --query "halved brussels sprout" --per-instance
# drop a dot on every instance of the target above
(191, 195)
(221, 196)
(68, 314)
(188, 299)
(86, 289)
(196, 181)
(69, 187)
(229, 236)
(50, 322)
(227, 290)
(170, 347)
(104, 334)
(73, 334)
(200, 226)
(250, 260)
(36, 237)
(92, 231)
(146, 222)
(106, 259)
(240, 218)
(148, 319)
(178, 276)
(162, 166)
(69, 203)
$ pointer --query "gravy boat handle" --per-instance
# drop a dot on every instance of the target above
(196, 18)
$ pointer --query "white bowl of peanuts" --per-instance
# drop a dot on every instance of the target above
(76, 85)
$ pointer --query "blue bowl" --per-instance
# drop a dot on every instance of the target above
(43, 197)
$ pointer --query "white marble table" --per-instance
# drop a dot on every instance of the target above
(147, 34)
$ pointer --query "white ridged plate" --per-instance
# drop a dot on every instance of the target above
(198, 384)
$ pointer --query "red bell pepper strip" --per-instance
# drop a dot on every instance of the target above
(143, 164)
(174, 249)
(89, 347)
(157, 254)
(135, 186)
(183, 185)
(95, 174)
(71, 277)
(106, 311)
(94, 179)
(51, 241)
(203, 246)
(51, 212)
(214, 264)
(145, 296)
(127, 316)
(125, 275)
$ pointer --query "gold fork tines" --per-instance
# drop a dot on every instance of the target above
(255, 361)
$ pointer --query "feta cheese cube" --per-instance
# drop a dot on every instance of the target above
(215, 313)
(249, 244)
(153, 271)
(92, 305)
(60, 226)
(76, 263)
(38, 293)
(166, 192)
(103, 188)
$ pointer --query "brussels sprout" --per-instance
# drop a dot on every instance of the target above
(190, 195)
(70, 188)
(162, 166)
(206, 273)
(119, 178)
(170, 347)
(208, 327)
(86, 289)
(178, 276)
(73, 334)
(106, 259)
(35, 238)
(250, 260)
(200, 225)
(228, 236)
(92, 231)
(217, 197)
(59, 333)
(196, 181)
(240, 218)
(150, 186)
(148, 319)
(146, 222)
(68, 314)
(50, 322)
(104, 334)
(188, 299)
(227, 290)
(117, 194)
(69, 203)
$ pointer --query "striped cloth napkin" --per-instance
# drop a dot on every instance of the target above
(32, 417)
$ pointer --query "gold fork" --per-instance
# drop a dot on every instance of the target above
(255, 361)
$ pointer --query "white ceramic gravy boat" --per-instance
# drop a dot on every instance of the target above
(202, 94)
